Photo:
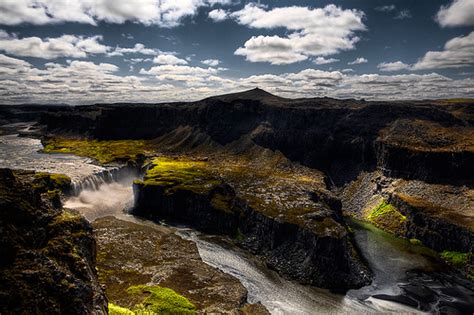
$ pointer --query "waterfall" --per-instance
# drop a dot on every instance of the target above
(106, 176)
(105, 193)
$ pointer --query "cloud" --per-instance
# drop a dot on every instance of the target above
(137, 49)
(347, 70)
(168, 59)
(50, 48)
(386, 8)
(221, 2)
(358, 61)
(313, 32)
(211, 62)
(323, 61)
(75, 46)
(458, 52)
(403, 14)
(190, 76)
(165, 13)
(218, 15)
(458, 13)
(84, 82)
(393, 66)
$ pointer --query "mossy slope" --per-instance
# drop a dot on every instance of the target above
(105, 152)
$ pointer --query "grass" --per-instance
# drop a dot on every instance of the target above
(457, 259)
(385, 216)
(180, 173)
(104, 151)
(118, 310)
(159, 300)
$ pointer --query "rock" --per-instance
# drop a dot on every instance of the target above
(260, 212)
(131, 254)
(47, 255)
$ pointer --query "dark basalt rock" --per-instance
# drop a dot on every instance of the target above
(47, 255)
(433, 231)
(339, 137)
(326, 260)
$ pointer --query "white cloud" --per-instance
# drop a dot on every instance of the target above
(458, 52)
(75, 46)
(347, 70)
(323, 61)
(314, 32)
(403, 14)
(166, 13)
(218, 15)
(393, 66)
(211, 62)
(137, 49)
(191, 76)
(458, 13)
(80, 82)
(50, 48)
(386, 8)
(168, 59)
(221, 2)
(358, 61)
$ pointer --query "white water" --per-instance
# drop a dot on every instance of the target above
(22, 153)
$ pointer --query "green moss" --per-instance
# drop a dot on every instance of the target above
(118, 310)
(415, 241)
(455, 258)
(159, 300)
(51, 183)
(387, 217)
(67, 216)
(180, 174)
(103, 151)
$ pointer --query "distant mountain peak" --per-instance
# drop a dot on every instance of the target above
(253, 94)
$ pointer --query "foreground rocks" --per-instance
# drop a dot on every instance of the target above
(131, 254)
(47, 255)
(281, 212)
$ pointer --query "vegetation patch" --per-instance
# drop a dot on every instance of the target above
(159, 300)
(415, 241)
(104, 151)
(388, 218)
(455, 258)
(118, 310)
(180, 173)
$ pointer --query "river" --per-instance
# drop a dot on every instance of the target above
(390, 258)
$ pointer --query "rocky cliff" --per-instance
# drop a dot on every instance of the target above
(339, 137)
(47, 254)
(296, 228)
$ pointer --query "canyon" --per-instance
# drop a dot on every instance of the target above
(284, 180)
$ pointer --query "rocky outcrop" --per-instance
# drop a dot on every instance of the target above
(47, 255)
(308, 244)
(131, 254)
(425, 224)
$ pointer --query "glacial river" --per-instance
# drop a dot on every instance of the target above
(391, 259)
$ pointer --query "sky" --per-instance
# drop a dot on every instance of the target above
(97, 51)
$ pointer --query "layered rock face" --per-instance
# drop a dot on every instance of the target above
(275, 213)
(339, 137)
(47, 255)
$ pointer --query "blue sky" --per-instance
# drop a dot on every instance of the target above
(86, 51)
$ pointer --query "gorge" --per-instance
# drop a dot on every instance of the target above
(342, 206)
